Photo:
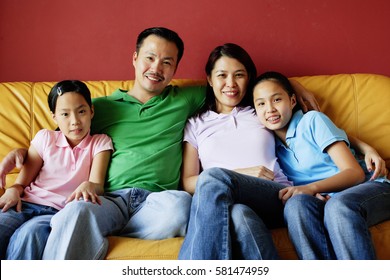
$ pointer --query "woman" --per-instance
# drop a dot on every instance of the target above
(230, 220)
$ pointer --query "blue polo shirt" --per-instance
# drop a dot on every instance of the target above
(304, 160)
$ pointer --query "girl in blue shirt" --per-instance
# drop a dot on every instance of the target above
(332, 204)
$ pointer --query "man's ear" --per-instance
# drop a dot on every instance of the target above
(135, 56)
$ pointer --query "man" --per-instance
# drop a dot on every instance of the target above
(146, 125)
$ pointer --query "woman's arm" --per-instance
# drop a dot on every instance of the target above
(305, 98)
(350, 174)
(190, 168)
(91, 189)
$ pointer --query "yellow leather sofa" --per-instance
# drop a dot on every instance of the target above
(358, 103)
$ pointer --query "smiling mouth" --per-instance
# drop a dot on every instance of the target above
(273, 119)
(230, 93)
(154, 77)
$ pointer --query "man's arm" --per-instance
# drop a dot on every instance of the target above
(15, 158)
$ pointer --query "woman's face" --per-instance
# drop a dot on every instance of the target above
(229, 80)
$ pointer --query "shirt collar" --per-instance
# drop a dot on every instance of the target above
(62, 142)
(211, 115)
(121, 94)
(292, 127)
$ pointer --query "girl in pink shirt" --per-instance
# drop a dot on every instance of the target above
(61, 166)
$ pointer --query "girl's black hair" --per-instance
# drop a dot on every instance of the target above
(280, 79)
(233, 51)
(65, 86)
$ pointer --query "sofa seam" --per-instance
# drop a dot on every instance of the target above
(33, 85)
(356, 100)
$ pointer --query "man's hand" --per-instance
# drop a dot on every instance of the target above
(15, 158)
(10, 198)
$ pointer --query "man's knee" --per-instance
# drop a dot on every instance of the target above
(174, 204)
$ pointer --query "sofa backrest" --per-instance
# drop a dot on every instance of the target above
(358, 103)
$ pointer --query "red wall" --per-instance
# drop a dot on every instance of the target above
(50, 40)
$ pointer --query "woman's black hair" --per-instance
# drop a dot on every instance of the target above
(65, 86)
(232, 51)
(281, 80)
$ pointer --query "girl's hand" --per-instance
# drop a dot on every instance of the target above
(323, 197)
(257, 171)
(288, 192)
(9, 199)
(85, 191)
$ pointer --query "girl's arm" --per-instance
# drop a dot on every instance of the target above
(91, 189)
(374, 161)
(305, 98)
(31, 167)
(190, 168)
(350, 174)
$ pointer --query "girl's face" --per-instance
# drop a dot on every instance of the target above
(229, 80)
(273, 105)
(73, 117)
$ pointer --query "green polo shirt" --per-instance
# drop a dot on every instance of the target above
(147, 137)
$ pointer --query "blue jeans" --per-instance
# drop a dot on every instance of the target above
(23, 234)
(339, 228)
(230, 216)
(80, 230)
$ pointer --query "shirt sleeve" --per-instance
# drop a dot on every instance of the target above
(40, 141)
(101, 143)
(189, 133)
(195, 95)
(325, 132)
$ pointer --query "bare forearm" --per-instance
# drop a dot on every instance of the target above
(189, 184)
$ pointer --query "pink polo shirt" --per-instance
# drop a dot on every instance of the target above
(64, 168)
(232, 141)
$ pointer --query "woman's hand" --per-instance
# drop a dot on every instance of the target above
(257, 171)
(305, 98)
(376, 164)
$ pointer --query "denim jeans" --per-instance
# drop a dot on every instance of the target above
(79, 231)
(23, 234)
(338, 228)
(230, 216)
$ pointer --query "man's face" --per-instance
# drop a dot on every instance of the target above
(155, 64)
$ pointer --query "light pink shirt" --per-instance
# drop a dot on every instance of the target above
(236, 140)
(64, 168)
